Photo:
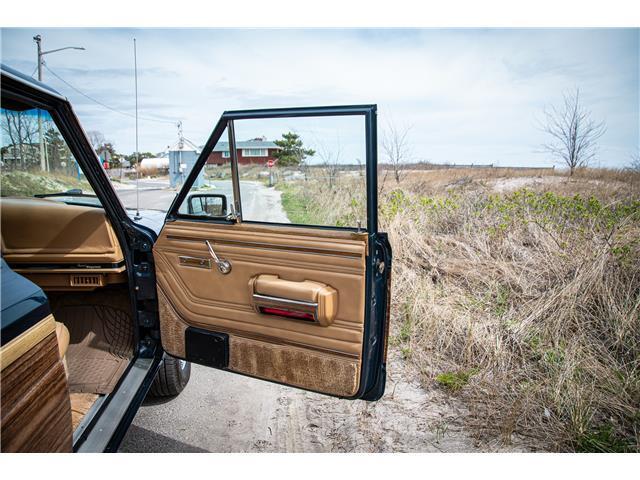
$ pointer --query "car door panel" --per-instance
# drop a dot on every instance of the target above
(297, 352)
(301, 305)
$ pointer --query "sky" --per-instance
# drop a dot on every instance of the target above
(464, 95)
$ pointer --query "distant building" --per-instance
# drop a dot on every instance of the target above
(182, 158)
(14, 155)
(255, 151)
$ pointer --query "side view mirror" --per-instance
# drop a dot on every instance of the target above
(209, 204)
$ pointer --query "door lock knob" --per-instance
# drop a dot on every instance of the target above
(224, 266)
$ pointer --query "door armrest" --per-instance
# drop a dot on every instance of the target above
(306, 300)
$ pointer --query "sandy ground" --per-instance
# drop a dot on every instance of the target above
(508, 184)
(222, 412)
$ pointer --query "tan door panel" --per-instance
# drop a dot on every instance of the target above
(322, 357)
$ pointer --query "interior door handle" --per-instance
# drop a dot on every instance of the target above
(223, 265)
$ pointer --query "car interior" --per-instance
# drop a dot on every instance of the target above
(72, 253)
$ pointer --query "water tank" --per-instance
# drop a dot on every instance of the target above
(154, 164)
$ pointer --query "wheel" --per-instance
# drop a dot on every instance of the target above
(173, 375)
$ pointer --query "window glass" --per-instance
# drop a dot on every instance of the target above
(211, 196)
(310, 170)
(36, 160)
(255, 152)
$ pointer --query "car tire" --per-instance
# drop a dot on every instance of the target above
(173, 375)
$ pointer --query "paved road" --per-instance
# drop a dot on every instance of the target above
(258, 202)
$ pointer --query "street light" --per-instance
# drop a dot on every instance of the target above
(38, 39)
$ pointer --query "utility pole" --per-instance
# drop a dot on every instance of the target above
(38, 39)
(43, 162)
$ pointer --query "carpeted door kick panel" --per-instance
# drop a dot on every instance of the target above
(101, 337)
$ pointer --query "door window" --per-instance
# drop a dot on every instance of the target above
(311, 170)
(292, 170)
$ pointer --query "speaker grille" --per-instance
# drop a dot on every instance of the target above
(86, 280)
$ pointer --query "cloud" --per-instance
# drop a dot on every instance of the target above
(470, 95)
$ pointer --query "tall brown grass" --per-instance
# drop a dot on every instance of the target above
(525, 304)
(541, 302)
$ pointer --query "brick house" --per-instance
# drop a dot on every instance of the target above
(254, 151)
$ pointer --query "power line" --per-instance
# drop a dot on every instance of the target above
(103, 104)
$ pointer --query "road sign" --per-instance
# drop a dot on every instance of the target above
(270, 163)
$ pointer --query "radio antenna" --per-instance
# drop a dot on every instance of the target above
(135, 70)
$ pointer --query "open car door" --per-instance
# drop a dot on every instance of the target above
(288, 283)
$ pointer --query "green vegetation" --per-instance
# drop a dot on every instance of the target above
(604, 440)
(292, 151)
(536, 292)
(320, 202)
(296, 205)
(454, 381)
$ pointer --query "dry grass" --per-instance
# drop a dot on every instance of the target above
(526, 303)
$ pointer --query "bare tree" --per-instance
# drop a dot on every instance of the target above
(96, 138)
(396, 148)
(634, 166)
(574, 134)
(330, 157)
(21, 129)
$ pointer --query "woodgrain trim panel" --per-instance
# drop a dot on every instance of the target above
(267, 246)
(20, 345)
(36, 410)
(261, 228)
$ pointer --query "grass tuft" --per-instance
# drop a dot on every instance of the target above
(454, 381)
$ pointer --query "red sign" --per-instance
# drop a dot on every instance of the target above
(105, 165)
(270, 163)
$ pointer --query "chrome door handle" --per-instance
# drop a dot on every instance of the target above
(223, 265)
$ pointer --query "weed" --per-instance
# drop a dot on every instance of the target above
(604, 440)
(454, 381)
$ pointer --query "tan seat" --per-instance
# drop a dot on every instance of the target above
(63, 339)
